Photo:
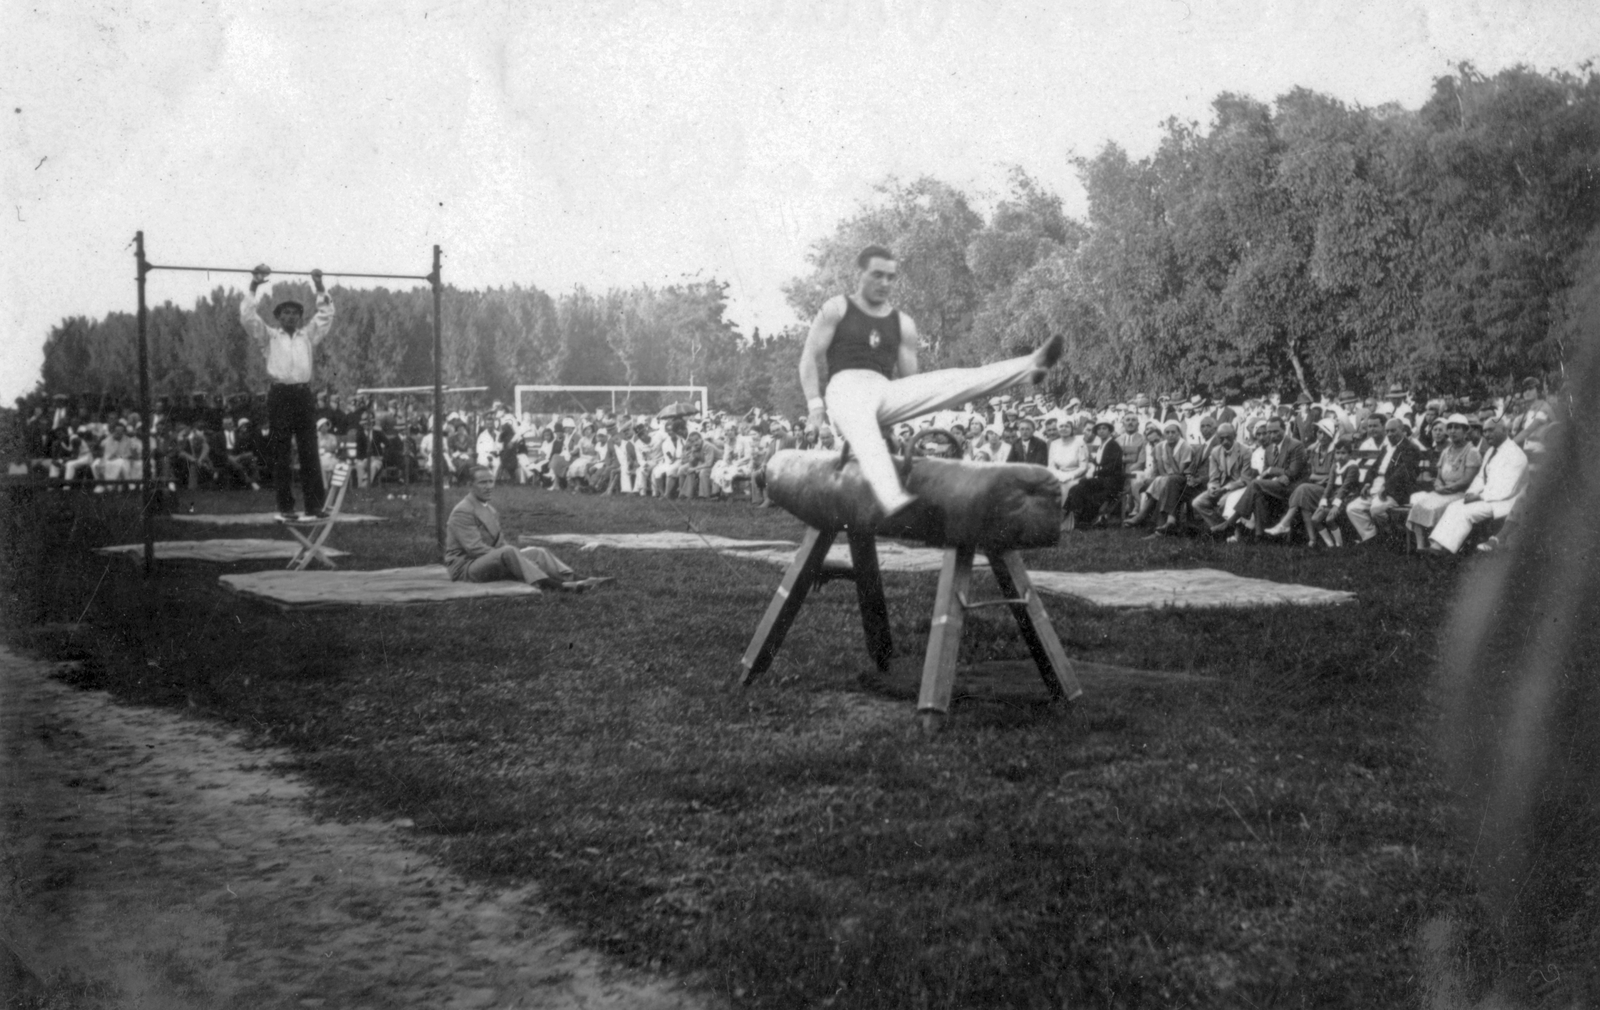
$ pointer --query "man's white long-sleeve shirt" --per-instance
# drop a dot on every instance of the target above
(289, 356)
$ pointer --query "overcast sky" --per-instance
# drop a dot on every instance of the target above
(613, 143)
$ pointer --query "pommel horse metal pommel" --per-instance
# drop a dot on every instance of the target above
(961, 506)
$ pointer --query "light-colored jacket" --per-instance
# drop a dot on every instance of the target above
(1503, 475)
(472, 531)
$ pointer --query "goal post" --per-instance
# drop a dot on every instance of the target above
(623, 399)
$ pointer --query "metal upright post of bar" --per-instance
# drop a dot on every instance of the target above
(438, 408)
(146, 462)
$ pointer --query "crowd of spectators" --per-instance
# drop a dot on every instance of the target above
(1327, 473)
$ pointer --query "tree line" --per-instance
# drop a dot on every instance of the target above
(1304, 244)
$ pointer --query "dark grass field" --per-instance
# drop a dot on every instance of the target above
(1274, 836)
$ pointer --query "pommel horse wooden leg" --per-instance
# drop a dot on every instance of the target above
(798, 579)
(1034, 623)
(869, 594)
(949, 613)
(944, 637)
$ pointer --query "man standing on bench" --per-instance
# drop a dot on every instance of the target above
(475, 551)
(859, 371)
(291, 406)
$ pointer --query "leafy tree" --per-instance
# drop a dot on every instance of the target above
(929, 225)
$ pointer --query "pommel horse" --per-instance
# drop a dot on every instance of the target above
(961, 506)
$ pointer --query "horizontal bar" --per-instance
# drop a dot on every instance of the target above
(420, 390)
(290, 273)
(610, 389)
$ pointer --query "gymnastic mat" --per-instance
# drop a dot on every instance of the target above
(225, 551)
(385, 587)
(1181, 587)
(1193, 588)
(663, 540)
(261, 518)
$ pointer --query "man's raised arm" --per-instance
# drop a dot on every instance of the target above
(250, 306)
(322, 322)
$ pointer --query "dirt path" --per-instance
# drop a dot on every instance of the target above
(147, 860)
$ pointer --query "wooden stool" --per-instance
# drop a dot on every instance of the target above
(949, 614)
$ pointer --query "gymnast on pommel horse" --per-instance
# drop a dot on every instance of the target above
(859, 371)
(864, 351)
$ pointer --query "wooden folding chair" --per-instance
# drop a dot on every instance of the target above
(313, 533)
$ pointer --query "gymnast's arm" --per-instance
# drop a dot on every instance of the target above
(909, 344)
(814, 358)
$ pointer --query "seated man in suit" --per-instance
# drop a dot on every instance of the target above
(1177, 474)
(1225, 474)
(1392, 480)
(1491, 494)
(1283, 465)
(1030, 448)
(475, 551)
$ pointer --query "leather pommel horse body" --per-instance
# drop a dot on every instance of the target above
(961, 506)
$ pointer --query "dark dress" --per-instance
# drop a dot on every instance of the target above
(1090, 495)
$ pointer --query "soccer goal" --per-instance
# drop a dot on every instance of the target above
(564, 400)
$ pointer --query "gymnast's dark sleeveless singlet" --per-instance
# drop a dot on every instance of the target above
(863, 341)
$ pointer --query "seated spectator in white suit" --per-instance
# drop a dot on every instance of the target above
(119, 456)
(669, 465)
(738, 456)
(1492, 493)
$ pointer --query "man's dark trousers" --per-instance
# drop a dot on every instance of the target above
(292, 413)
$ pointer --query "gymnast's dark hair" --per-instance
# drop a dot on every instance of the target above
(873, 251)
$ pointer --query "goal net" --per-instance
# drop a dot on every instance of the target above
(547, 402)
